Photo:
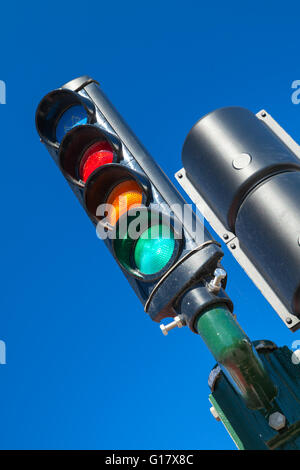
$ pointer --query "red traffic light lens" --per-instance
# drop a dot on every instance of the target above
(95, 156)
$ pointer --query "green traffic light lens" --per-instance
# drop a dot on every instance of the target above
(154, 249)
(145, 243)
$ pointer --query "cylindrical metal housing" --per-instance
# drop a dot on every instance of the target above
(268, 227)
(251, 180)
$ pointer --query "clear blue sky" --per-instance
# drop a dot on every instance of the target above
(85, 366)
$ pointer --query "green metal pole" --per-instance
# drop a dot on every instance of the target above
(234, 351)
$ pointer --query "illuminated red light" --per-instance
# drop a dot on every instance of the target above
(95, 156)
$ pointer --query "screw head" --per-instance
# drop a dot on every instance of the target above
(241, 161)
(214, 413)
(296, 357)
(163, 329)
(289, 320)
(277, 421)
(233, 246)
(220, 272)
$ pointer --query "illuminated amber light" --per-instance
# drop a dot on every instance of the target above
(123, 197)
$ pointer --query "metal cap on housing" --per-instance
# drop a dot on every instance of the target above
(245, 172)
(227, 153)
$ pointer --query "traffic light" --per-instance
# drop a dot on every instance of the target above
(243, 172)
(165, 252)
(153, 235)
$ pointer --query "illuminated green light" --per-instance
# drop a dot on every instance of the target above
(153, 250)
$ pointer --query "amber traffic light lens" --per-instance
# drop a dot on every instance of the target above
(123, 197)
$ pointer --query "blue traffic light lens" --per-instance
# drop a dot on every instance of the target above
(73, 116)
(153, 250)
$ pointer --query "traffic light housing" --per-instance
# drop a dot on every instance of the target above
(243, 172)
(120, 186)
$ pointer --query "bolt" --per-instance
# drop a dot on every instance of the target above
(179, 175)
(277, 421)
(225, 236)
(233, 246)
(214, 413)
(216, 283)
(296, 357)
(263, 114)
(108, 227)
(289, 320)
(178, 321)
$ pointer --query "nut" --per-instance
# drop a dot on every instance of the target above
(277, 421)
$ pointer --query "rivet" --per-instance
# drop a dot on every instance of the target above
(241, 161)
